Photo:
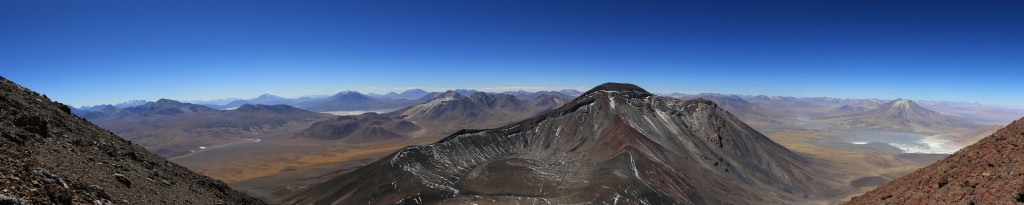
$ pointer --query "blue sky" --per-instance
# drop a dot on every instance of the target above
(92, 52)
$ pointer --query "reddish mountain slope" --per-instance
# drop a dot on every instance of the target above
(50, 156)
(988, 172)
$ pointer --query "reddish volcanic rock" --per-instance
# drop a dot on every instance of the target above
(988, 172)
(50, 156)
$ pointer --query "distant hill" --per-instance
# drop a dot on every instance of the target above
(526, 95)
(847, 110)
(570, 92)
(352, 101)
(50, 156)
(367, 127)
(126, 104)
(408, 95)
(736, 106)
(171, 128)
(466, 91)
(976, 113)
(265, 99)
(900, 115)
(444, 114)
(477, 110)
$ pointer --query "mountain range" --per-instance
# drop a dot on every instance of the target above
(898, 115)
(408, 94)
(51, 156)
(444, 114)
(171, 128)
(737, 106)
(616, 143)
(366, 127)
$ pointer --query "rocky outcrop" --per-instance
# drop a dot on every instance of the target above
(51, 156)
(987, 172)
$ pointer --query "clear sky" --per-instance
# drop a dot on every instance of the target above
(92, 52)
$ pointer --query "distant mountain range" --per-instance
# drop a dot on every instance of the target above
(126, 104)
(342, 101)
(736, 105)
(898, 115)
(616, 143)
(408, 95)
(171, 128)
(351, 100)
(367, 127)
(445, 113)
(815, 106)
(50, 156)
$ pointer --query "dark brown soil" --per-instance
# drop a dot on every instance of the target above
(988, 172)
(50, 156)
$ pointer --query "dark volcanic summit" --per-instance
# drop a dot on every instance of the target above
(614, 144)
(51, 156)
(987, 172)
(617, 87)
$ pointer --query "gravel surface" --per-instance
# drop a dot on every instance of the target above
(988, 172)
(50, 156)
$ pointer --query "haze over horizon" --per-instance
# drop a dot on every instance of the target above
(88, 53)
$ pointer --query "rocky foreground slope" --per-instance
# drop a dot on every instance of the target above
(614, 144)
(50, 156)
(987, 172)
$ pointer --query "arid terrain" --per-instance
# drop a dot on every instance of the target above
(51, 156)
(307, 153)
(280, 153)
(867, 157)
(281, 149)
(614, 143)
(984, 173)
(606, 102)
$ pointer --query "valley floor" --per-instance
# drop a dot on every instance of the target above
(866, 162)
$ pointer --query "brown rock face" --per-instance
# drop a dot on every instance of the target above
(988, 172)
(50, 156)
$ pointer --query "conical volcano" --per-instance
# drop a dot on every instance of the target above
(616, 143)
(901, 115)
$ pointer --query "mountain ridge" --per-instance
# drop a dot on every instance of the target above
(900, 115)
(51, 156)
(612, 136)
